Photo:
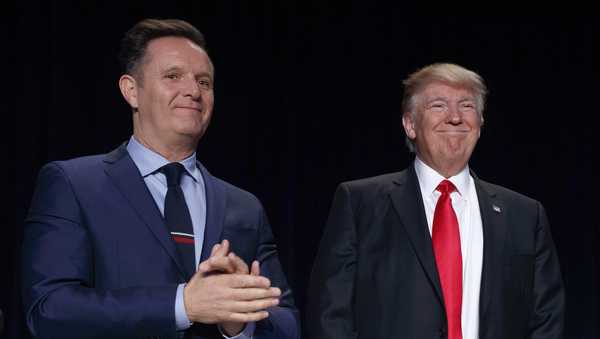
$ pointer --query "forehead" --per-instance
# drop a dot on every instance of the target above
(167, 52)
(444, 90)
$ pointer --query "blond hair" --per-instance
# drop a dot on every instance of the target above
(447, 73)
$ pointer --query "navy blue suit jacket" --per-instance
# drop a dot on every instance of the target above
(98, 261)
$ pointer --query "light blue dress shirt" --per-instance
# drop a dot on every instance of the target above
(148, 163)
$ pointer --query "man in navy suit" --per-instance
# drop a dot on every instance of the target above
(100, 261)
(433, 251)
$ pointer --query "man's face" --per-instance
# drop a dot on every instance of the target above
(445, 128)
(174, 92)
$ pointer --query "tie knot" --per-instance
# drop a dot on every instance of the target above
(173, 173)
(446, 187)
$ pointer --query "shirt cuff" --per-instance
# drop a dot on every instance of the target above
(182, 322)
(246, 333)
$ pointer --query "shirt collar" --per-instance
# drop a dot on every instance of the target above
(429, 179)
(148, 161)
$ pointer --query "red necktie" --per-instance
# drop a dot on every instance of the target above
(448, 257)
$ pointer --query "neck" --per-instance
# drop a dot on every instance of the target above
(446, 169)
(172, 151)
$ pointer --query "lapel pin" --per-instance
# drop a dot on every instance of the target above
(496, 209)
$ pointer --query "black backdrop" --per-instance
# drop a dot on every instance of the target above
(308, 95)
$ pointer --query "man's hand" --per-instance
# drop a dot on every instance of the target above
(223, 291)
(223, 261)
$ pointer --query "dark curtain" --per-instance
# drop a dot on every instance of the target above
(308, 95)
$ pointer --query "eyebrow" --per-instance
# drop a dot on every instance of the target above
(436, 99)
(463, 99)
(172, 69)
(181, 70)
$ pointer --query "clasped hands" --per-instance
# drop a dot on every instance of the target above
(225, 291)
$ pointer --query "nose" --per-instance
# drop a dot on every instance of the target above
(192, 89)
(454, 115)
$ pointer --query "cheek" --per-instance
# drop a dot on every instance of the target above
(209, 99)
(476, 131)
(158, 102)
(428, 128)
(432, 122)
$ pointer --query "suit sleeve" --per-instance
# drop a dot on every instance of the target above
(283, 321)
(549, 296)
(59, 294)
(330, 313)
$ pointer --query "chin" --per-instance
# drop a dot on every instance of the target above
(190, 126)
(191, 133)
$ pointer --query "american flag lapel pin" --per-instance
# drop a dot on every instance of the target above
(496, 209)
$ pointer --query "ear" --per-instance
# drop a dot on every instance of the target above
(129, 89)
(409, 125)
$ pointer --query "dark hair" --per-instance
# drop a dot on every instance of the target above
(135, 41)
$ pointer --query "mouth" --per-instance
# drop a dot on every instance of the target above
(193, 108)
(454, 131)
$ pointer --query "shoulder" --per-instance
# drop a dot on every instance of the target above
(80, 164)
(60, 182)
(369, 192)
(82, 167)
(237, 193)
(508, 196)
(236, 197)
(375, 185)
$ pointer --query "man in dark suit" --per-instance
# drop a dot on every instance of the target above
(433, 251)
(144, 241)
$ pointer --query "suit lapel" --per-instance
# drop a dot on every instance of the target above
(215, 211)
(406, 198)
(123, 172)
(494, 231)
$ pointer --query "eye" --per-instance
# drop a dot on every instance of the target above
(468, 105)
(437, 106)
(205, 84)
(172, 76)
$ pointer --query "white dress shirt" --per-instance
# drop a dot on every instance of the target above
(466, 207)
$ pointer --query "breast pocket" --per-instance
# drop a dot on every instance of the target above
(243, 240)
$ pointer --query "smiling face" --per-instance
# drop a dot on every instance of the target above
(172, 94)
(445, 126)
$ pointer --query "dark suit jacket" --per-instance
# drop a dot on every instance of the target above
(98, 261)
(375, 274)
